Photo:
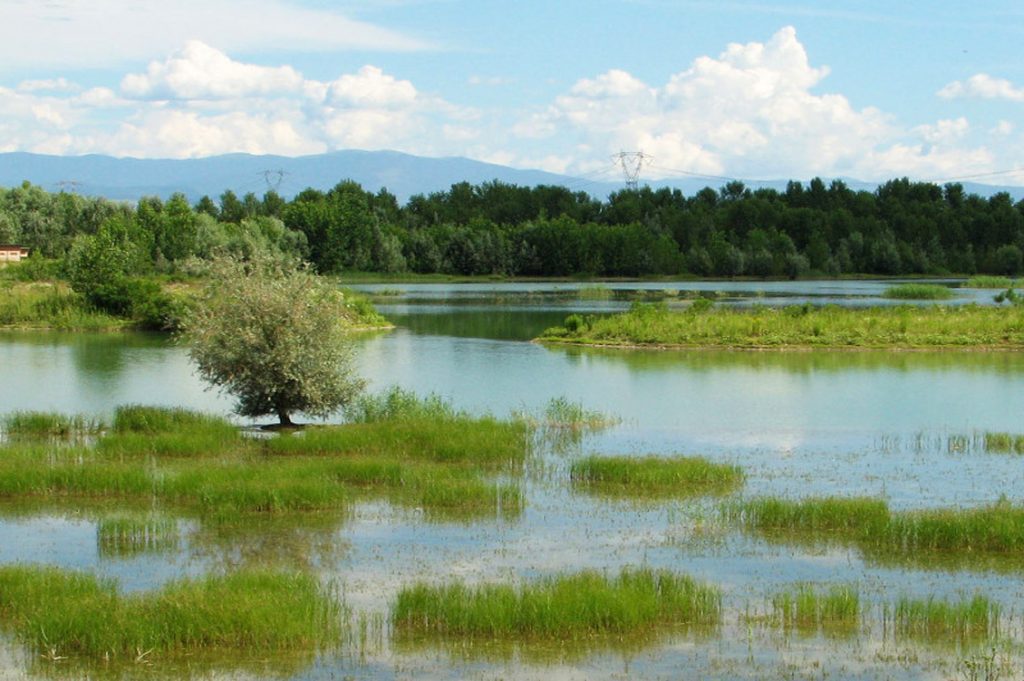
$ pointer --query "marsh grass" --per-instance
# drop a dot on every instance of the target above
(595, 292)
(400, 404)
(138, 418)
(990, 281)
(40, 424)
(934, 619)
(128, 536)
(988, 531)
(63, 613)
(808, 610)
(52, 306)
(918, 292)
(655, 476)
(1004, 443)
(905, 326)
(568, 607)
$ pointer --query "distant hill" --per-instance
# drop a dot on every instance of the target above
(402, 174)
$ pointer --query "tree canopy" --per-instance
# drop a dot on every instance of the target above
(275, 336)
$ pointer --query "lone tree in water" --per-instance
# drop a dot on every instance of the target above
(275, 336)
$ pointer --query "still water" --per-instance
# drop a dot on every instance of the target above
(800, 424)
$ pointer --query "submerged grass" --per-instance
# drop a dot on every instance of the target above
(127, 536)
(809, 610)
(918, 292)
(974, 618)
(63, 613)
(567, 607)
(935, 326)
(655, 476)
(997, 529)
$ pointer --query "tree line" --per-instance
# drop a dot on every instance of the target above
(494, 228)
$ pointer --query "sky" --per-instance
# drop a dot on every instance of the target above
(744, 89)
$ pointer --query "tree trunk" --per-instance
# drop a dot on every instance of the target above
(284, 418)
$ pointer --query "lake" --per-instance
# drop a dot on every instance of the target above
(907, 427)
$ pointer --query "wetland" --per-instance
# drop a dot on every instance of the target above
(552, 512)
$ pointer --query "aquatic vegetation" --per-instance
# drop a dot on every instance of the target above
(931, 618)
(51, 306)
(918, 292)
(49, 424)
(122, 536)
(561, 413)
(572, 606)
(656, 476)
(68, 613)
(989, 281)
(935, 326)
(1004, 443)
(808, 609)
(397, 403)
(137, 418)
(994, 529)
(595, 292)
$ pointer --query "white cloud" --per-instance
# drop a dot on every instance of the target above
(1003, 128)
(370, 87)
(983, 86)
(944, 131)
(78, 34)
(201, 72)
(47, 85)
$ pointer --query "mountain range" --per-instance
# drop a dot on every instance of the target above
(402, 174)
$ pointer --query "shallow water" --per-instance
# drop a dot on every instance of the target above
(799, 423)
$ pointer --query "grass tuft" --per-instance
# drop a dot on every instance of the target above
(918, 292)
(654, 476)
(974, 618)
(70, 613)
(990, 281)
(127, 536)
(49, 424)
(399, 404)
(806, 609)
(566, 607)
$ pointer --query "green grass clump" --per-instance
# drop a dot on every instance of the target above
(903, 326)
(595, 292)
(855, 516)
(974, 618)
(126, 536)
(679, 476)
(49, 424)
(58, 612)
(1004, 443)
(563, 413)
(396, 404)
(567, 607)
(137, 418)
(918, 292)
(806, 609)
(989, 281)
(481, 442)
(997, 529)
(51, 306)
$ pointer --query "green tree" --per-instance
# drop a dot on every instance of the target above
(275, 336)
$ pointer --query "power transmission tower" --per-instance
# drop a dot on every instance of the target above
(274, 178)
(632, 162)
(69, 186)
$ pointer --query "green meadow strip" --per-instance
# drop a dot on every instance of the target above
(566, 607)
(931, 618)
(137, 418)
(802, 326)
(64, 613)
(655, 476)
(990, 281)
(42, 424)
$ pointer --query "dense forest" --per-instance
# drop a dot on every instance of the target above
(493, 228)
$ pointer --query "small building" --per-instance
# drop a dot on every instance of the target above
(12, 253)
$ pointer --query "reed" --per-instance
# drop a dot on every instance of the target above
(852, 516)
(397, 403)
(48, 306)
(1004, 443)
(49, 424)
(566, 607)
(905, 326)
(127, 536)
(595, 292)
(989, 281)
(654, 476)
(931, 618)
(138, 418)
(918, 292)
(805, 608)
(64, 613)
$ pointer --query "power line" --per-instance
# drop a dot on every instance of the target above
(978, 175)
(274, 178)
(69, 186)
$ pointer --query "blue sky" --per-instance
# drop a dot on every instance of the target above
(737, 88)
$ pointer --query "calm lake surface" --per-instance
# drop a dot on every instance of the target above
(904, 426)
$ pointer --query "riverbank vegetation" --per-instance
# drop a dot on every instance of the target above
(918, 292)
(799, 326)
(566, 607)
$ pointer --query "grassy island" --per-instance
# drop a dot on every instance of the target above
(968, 327)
